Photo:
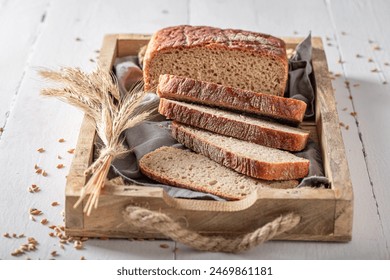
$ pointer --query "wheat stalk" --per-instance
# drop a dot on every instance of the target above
(94, 94)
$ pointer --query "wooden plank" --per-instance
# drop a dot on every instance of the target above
(71, 34)
(367, 242)
(369, 95)
(16, 50)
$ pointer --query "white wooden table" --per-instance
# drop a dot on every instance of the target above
(53, 33)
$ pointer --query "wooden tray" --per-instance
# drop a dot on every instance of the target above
(326, 214)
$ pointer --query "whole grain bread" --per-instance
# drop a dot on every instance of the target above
(211, 94)
(247, 158)
(185, 169)
(250, 129)
(230, 57)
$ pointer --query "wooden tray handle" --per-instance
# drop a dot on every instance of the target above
(146, 219)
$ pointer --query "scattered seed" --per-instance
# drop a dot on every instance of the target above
(35, 212)
(44, 221)
(52, 227)
(71, 151)
(21, 235)
(375, 70)
(62, 246)
(54, 253)
(54, 203)
(353, 114)
(82, 258)
(59, 157)
(164, 246)
(346, 83)
(384, 82)
(329, 44)
(36, 166)
(356, 85)
(91, 60)
(33, 188)
(83, 239)
(38, 171)
(386, 64)
(327, 39)
(347, 127)
(59, 166)
(370, 60)
(41, 150)
(350, 97)
(1, 130)
(44, 173)
(295, 32)
(358, 55)
(61, 140)
(78, 245)
(370, 41)
(97, 51)
(6, 235)
(14, 235)
(78, 39)
(376, 48)
(343, 33)
(337, 75)
(51, 234)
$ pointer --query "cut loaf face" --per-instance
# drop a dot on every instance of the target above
(185, 169)
(247, 158)
(229, 57)
(250, 129)
(211, 94)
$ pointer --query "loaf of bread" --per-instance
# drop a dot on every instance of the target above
(185, 169)
(254, 130)
(247, 158)
(235, 58)
(211, 94)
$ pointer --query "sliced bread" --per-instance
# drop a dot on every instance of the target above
(254, 130)
(235, 58)
(185, 169)
(247, 158)
(201, 92)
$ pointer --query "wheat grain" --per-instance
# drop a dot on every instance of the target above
(97, 94)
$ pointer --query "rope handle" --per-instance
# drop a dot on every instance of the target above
(144, 218)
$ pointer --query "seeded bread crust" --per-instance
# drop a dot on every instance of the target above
(286, 167)
(168, 165)
(234, 125)
(186, 37)
(211, 94)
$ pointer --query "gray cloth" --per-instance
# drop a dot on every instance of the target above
(155, 133)
(299, 83)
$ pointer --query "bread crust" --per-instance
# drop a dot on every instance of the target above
(238, 129)
(240, 163)
(211, 94)
(186, 36)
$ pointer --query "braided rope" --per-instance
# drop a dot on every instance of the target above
(144, 218)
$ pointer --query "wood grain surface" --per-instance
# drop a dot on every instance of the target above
(55, 33)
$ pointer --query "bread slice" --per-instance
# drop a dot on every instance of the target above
(254, 130)
(236, 58)
(247, 158)
(185, 169)
(211, 94)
